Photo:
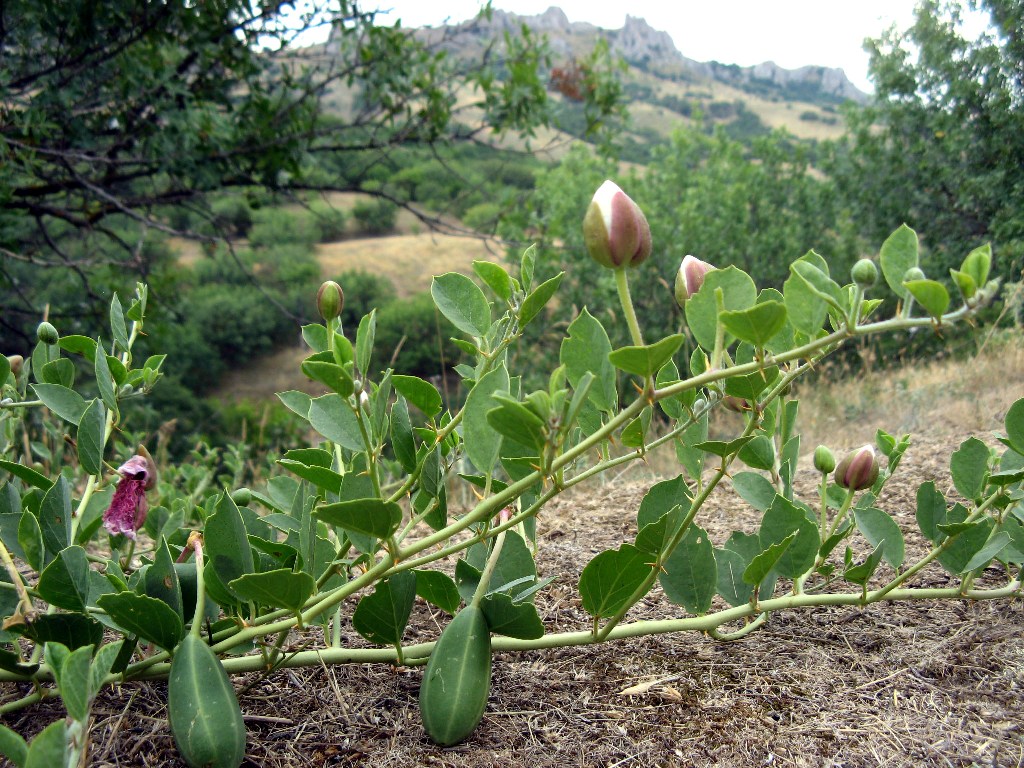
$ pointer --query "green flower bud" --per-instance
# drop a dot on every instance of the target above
(15, 361)
(824, 459)
(859, 470)
(242, 497)
(864, 273)
(914, 273)
(690, 278)
(47, 334)
(615, 230)
(329, 300)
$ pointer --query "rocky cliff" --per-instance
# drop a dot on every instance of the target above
(642, 45)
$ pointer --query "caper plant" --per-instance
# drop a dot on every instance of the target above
(362, 514)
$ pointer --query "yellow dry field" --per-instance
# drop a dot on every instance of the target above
(774, 114)
(409, 261)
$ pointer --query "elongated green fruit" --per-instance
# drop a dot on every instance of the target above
(205, 718)
(458, 677)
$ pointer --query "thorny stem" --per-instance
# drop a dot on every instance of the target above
(156, 665)
(934, 553)
(19, 585)
(586, 637)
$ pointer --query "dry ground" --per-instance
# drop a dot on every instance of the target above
(917, 684)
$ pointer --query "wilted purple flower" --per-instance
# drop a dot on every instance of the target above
(690, 278)
(127, 511)
(859, 470)
(615, 230)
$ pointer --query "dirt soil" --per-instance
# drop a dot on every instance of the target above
(926, 683)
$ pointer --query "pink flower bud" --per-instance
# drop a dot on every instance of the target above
(690, 278)
(859, 470)
(615, 229)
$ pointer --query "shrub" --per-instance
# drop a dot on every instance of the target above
(375, 217)
(363, 292)
(482, 217)
(331, 221)
(277, 226)
(415, 338)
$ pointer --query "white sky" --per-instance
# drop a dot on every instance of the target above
(792, 33)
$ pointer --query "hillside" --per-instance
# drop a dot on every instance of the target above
(665, 88)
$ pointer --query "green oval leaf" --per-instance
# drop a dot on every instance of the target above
(281, 588)
(461, 301)
(538, 299)
(331, 416)
(969, 466)
(145, 616)
(495, 277)
(757, 324)
(90, 437)
(647, 360)
(610, 579)
(898, 254)
(420, 393)
(65, 581)
(931, 295)
(382, 615)
(370, 517)
(64, 402)
(481, 440)
(438, 589)
(739, 292)
(55, 516)
(518, 620)
(881, 530)
(690, 575)
(585, 350)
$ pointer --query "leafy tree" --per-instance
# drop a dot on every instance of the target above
(756, 207)
(942, 146)
(117, 117)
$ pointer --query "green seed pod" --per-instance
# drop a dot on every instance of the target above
(824, 459)
(453, 695)
(202, 708)
(242, 497)
(330, 300)
(864, 273)
(47, 334)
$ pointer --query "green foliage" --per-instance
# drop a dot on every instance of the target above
(414, 338)
(275, 227)
(709, 196)
(375, 217)
(942, 145)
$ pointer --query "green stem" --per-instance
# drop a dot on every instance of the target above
(197, 617)
(500, 644)
(622, 283)
(937, 550)
(22, 404)
(749, 627)
(19, 585)
(485, 577)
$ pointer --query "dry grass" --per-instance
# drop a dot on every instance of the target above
(409, 261)
(901, 685)
(940, 397)
(774, 114)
